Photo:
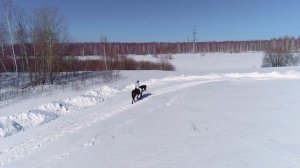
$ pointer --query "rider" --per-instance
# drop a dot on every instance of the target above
(137, 84)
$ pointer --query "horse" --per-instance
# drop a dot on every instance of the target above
(135, 93)
(143, 87)
(138, 93)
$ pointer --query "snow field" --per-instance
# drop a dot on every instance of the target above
(15, 123)
(215, 111)
(45, 113)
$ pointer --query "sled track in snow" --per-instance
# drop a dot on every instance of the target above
(28, 146)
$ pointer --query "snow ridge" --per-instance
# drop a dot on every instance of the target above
(15, 123)
(226, 76)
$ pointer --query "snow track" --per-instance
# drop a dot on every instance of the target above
(82, 117)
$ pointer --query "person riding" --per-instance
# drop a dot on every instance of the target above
(137, 84)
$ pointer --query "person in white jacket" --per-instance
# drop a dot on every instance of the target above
(137, 84)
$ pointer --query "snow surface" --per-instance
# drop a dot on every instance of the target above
(216, 110)
(85, 58)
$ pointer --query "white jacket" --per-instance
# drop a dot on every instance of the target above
(137, 85)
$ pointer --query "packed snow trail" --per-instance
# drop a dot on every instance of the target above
(112, 102)
(20, 150)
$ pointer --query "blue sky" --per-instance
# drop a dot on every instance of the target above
(173, 20)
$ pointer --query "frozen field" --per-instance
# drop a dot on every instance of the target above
(215, 111)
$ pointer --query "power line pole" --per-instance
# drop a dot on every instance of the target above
(194, 39)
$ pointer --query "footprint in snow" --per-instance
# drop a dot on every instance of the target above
(90, 142)
(195, 128)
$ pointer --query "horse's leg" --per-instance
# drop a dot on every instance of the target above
(136, 98)
(141, 93)
(133, 95)
(133, 99)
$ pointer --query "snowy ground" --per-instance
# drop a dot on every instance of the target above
(215, 111)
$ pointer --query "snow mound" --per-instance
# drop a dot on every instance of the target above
(104, 91)
(148, 83)
(9, 127)
(92, 97)
(34, 118)
(82, 101)
(270, 75)
(55, 107)
(48, 112)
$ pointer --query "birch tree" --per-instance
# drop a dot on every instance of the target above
(48, 32)
(21, 31)
(7, 12)
(2, 43)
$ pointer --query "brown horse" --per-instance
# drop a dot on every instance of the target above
(135, 94)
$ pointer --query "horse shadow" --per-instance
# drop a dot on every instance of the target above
(145, 95)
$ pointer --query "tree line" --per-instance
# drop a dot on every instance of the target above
(155, 48)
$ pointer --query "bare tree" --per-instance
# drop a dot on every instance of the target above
(278, 57)
(7, 11)
(48, 32)
(2, 43)
(21, 28)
